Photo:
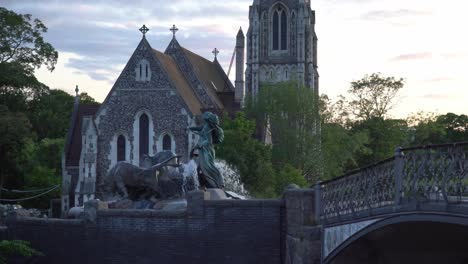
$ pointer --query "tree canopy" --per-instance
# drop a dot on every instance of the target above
(22, 50)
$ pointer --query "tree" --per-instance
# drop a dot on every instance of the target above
(250, 157)
(22, 50)
(384, 136)
(373, 96)
(430, 128)
(456, 126)
(291, 110)
(15, 131)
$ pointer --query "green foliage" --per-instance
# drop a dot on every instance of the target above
(429, 128)
(16, 248)
(15, 131)
(341, 149)
(22, 50)
(21, 41)
(373, 96)
(289, 175)
(50, 114)
(40, 177)
(384, 136)
(290, 109)
(251, 158)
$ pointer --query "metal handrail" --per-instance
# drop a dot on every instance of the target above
(425, 173)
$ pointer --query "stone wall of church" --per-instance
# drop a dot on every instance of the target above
(131, 96)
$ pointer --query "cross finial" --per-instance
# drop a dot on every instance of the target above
(174, 29)
(216, 52)
(77, 90)
(143, 30)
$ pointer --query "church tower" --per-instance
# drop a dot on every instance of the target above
(281, 44)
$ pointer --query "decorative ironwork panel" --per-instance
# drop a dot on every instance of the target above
(436, 174)
(369, 188)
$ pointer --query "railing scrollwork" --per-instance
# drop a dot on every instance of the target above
(435, 174)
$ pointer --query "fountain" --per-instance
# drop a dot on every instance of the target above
(162, 183)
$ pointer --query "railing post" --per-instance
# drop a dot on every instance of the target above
(318, 201)
(399, 166)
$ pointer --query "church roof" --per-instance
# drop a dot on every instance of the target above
(211, 74)
(73, 144)
(180, 83)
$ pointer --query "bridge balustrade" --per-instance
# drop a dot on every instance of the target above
(433, 178)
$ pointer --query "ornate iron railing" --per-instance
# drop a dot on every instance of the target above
(435, 174)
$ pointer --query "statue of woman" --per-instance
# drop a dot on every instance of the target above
(210, 133)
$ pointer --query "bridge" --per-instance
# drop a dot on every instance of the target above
(398, 207)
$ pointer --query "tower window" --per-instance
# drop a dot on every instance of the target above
(284, 32)
(280, 29)
(146, 69)
(275, 31)
(121, 148)
(140, 70)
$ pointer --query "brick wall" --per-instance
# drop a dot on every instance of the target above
(224, 232)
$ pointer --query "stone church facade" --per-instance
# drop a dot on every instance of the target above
(159, 94)
(156, 97)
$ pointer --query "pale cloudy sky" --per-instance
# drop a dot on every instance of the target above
(423, 41)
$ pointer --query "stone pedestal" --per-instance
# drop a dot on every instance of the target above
(215, 194)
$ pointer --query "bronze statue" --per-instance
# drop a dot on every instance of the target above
(210, 133)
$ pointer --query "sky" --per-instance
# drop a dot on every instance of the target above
(422, 41)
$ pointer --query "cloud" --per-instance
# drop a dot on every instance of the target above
(412, 56)
(391, 14)
(105, 35)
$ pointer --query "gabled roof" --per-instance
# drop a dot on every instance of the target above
(73, 144)
(209, 72)
(180, 83)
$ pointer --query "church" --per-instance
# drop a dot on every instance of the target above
(159, 94)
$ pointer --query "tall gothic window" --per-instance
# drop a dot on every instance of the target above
(121, 148)
(280, 29)
(275, 31)
(144, 135)
(167, 142)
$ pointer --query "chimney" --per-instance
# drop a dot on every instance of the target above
(239, 83)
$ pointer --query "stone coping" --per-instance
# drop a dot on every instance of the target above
(45, 221)
(136, 213)
(244, 203)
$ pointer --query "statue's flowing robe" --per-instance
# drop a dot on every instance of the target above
(206, 156)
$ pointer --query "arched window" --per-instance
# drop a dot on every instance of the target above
(280, 29)
(275, 31)
(144, 135)
(121, 148)
(167, 142)
(284, 31)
